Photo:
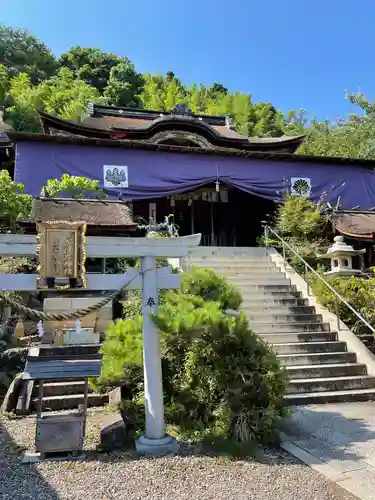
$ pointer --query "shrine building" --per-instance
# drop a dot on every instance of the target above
(196, 167)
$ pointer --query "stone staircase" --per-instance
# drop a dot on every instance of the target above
(319, 366)
(66, 395)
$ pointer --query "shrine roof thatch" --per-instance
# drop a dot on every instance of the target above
(354, 224)
(92, 211)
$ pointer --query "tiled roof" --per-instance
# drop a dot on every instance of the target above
(132, 128)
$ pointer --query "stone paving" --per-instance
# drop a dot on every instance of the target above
(337, 440)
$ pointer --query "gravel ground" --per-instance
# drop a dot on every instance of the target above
(122, 476)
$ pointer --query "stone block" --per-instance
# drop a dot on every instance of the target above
(83, 302)
(102, 325)
(113, 433)
(71, 304)
(51, 326)
(57, 304)
(105, 314)
(114, 396)
(84, 336)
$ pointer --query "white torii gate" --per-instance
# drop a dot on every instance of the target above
(154, 441)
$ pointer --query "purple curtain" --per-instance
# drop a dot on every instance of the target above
(153, 174)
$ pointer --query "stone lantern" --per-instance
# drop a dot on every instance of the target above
(340, 255)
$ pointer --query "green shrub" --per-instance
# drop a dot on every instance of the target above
(198, 282)
(221, 376)
(77, 187)
(14, 204)
(300, 223)
(132, 306)
(122, 355)
(298, 217)
(207, 284)
(218, 376)
(358, 292)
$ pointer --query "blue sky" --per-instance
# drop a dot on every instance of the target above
(294, 53)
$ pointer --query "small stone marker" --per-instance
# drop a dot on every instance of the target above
(113, 433)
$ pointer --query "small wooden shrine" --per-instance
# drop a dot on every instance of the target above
(62, 226)
(61, 432)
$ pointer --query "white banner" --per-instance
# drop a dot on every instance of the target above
(115, 176)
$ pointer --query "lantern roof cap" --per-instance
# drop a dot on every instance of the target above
(339, 247)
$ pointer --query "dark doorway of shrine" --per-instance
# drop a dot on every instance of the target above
(225, 216)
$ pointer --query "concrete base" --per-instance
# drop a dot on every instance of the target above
(157, 447)
(34, 458)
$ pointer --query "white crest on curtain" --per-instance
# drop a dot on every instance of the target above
(115, 176)
(300, 186)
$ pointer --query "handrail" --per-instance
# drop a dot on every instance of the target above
(338, 297)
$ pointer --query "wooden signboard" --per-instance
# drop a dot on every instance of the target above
(61, 254)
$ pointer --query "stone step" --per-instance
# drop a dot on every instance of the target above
(275, 309)
(248, 271)
(228, 259)
(62, 388)
(310, 347)
(283, 317)
(267, 289)
(285, 338)
(70, 401)
(260, 295)
(262, 282)
(290, 327)
(321, 358)
(321, 371)
(261, 277)
(219, 259)
(268, 302)
(236, 265)
(303, 386)
(330, 397)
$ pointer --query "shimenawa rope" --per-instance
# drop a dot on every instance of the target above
(80, 313)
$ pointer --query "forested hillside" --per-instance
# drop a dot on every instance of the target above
(32, 79)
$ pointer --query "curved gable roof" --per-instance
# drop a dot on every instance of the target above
(133, 128)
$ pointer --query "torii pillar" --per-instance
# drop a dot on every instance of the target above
(155, 442)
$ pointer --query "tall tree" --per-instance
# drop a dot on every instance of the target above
(21, 52)
(153, 95)
(265, 120)
(94, 67)
(174, 94)
(66, 96)
(353, 137)
(61, 95)
(22, 105)
(217, 91)
(4, 85)
(124, 86)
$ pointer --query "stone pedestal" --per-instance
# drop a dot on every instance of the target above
(166, 445)
(97, 321)
(70, 336)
